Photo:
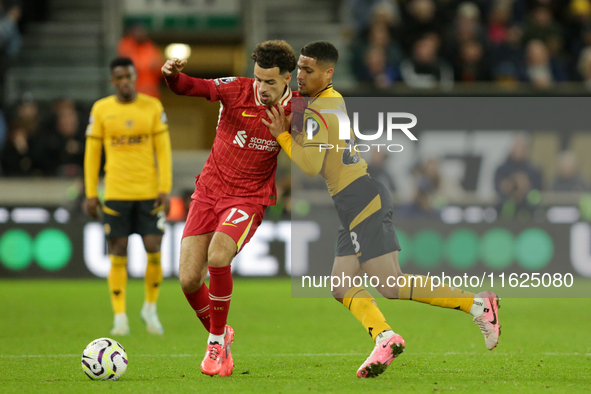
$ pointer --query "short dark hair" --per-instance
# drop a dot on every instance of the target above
(275, 53)
(323, 51)
(120, 61)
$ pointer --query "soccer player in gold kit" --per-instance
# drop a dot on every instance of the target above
(367, 241)
(132, 129)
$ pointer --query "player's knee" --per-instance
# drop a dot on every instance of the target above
(218, 258)
(339, 293)
(390, 289)
(118, 246)
(190, 283)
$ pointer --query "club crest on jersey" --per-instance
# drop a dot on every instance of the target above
(218, 81)
(240, 138)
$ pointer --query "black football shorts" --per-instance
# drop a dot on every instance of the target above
(123, 218)
(365, 209)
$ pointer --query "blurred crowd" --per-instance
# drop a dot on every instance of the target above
(38, 139)
(44, 141)
(518, 182)
(435, 43)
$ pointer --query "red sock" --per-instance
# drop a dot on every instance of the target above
(220, 293)
(199, 301)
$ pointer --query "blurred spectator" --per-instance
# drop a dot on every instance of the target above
(568, 178)
(499, 23)
(578, 24)
(376, 167)
(466, 28)
(472, 65)
(425, 69)
(146, 57)
(428, 197)
(27, 114)
(375, 55)
(420, 19)
(584, 67)
(61, 151)
(542, 26)
(377, 71)
(542, 70)
(509, 58)
(10, 41)
(369, 12)
(517, 181)
(17, 157)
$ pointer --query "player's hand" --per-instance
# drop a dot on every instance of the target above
(93, 205)
(279, 122)
(173, 67)
(164, 200)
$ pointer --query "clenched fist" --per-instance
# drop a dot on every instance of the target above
(173, 67)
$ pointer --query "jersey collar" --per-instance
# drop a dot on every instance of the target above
(283, 101)
(319, 94)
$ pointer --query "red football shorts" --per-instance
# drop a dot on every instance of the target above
(237, 217)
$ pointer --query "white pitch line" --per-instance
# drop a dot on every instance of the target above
(305, 354)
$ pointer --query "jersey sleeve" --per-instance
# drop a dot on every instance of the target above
(160, 119)
(227, 90)
(93, 151)
(95, 126)
(163, 150)
(184, 85)
(308, 148)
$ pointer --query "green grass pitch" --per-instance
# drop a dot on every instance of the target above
(285, 345)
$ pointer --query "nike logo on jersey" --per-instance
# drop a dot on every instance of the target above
(248, 115)
(240, 138)
(228, 224)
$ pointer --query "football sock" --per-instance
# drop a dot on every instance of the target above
(118, 282)
(217, 338)
(418, 288)
(220, 294)
(363, 306)
(199, 301)
(153, 277)
(477, 308)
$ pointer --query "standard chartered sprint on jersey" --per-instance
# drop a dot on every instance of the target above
(263, 144)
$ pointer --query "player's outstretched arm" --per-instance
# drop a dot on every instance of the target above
(183, 84)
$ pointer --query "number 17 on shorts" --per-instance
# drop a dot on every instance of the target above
(240, 223)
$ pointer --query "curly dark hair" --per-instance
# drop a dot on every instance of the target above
(275, 53)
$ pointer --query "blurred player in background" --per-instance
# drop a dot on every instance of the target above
(132, 128)
(236, 185)
(367, 240)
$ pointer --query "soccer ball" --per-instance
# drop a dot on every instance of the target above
(104, 359)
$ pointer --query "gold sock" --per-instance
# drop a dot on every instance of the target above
(418, 288)
(153, 277)
(118, 282)
(363, 306)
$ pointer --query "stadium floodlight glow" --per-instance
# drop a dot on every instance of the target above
(178, 51)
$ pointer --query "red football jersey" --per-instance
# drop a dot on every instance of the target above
(243, 159)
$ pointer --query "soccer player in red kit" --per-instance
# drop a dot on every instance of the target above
(236, 185)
